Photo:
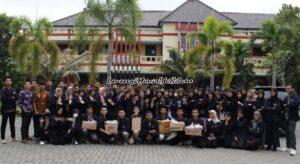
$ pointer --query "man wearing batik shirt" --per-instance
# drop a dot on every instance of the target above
(26, 104)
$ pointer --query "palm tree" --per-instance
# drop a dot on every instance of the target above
(228, 64)
(271, 35)
(175, 65)
(123, 15)
(30, 48)
(209, 36)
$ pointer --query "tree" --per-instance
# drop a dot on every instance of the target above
(30, 48)
(209, 46)
(123, 15)
(8, 68)
(228, 64)
(245, 70)
(175, 65)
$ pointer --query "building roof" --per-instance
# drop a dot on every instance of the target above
(192, 11)
(248, 20)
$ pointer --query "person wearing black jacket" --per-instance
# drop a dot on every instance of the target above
(149, 129)
(239, 131)
(105, 136)
(58, 126)
(213, 130)
(57, 102)
(8, 109)
(291, 104)
(227, 131)
(255, 132)
(229, 104)
(74, 128)
(260, 102)
(249, 106)
(123, 127)
(272, 110)
(90, 135)
(180, 135)
(197, 141)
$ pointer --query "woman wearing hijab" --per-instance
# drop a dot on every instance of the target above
(272, 110)
(70, 99)
(58, 125)
(213, 130)
(239, 131)
(57, 101)
(255, 132)
(260, 102)
(229, 104)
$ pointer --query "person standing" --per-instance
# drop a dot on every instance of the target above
(40, 105)
(291, 104)
(25, 102)
(8, 109)
(272, 110)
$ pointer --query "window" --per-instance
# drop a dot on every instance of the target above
(150, 50)
(192, 41)
(183, 43)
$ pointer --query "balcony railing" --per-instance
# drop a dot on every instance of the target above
(258, 62)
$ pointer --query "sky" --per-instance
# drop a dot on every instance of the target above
(56, 9)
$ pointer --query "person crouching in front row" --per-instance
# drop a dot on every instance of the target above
(239, 130)
(74, 128)
(149, 129)
(105, 136)
(59, 126)
(213, 130)
(255, 132)
(123, 127)
(135, 136)
(162, 116)
(180, 135)
(90, 135)
(197, 141)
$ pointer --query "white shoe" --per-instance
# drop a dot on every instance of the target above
(293, 152)
(76, 143)
(3, 142)
(42, 143)
(285, 149)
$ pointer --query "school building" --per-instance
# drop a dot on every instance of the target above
(159, 32)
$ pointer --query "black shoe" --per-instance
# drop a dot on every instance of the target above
(274, 149)
(268, 148)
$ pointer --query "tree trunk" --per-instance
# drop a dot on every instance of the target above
(273, 71)
(109, 56)
(212, 74)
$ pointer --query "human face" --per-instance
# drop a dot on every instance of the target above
(136, 110)
(49, 83)
(229, 94)
(289, 89)
(163, 111)
(8, 82)
(195, 114)
(249, 94)
(256, 116)
(272, 93)
(59, 112)
(27, 85)
(33, 84)
(103, 111)
(121, 114)
(212, 115)
(59, 93)
(149, 116)
(227, 117)
(180, 113)
(89, 111)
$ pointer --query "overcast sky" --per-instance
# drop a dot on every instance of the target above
(56, 9)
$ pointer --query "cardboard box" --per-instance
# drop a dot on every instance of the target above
(164, 127)
(111, 126)
(192, 131)
(176, 126)
(136, 123)
(89, 125)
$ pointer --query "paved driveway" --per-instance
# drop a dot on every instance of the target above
(155, 154)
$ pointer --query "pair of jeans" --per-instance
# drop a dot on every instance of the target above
(290, 135)
(26, 119)
(11, 116)
(36, 125)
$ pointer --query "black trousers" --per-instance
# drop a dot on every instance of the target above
(36, 125)
(272, 134)
(11, 116)
(26, 119)
(75, 134)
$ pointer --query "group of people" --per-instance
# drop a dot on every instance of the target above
(241, 119)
